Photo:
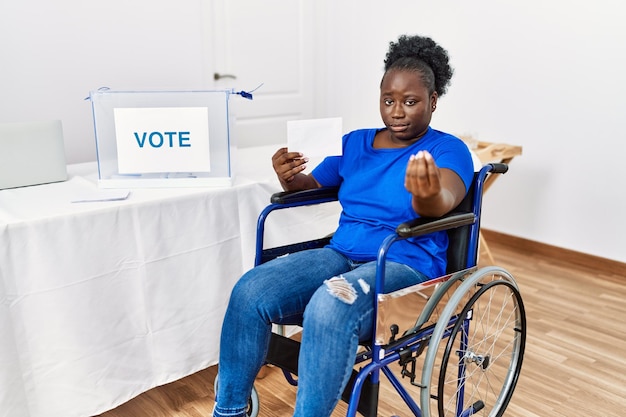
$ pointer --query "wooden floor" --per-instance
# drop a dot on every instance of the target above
(574, 364)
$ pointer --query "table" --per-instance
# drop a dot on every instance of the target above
(488, 152)
(101, 301)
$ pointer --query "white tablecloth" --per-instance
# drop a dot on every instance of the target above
(101, 301)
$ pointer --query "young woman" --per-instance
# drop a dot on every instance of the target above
(386, 176)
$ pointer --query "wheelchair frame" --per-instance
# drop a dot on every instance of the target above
(457, 386)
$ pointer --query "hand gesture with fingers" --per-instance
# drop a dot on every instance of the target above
(435, 190)
(423, 178)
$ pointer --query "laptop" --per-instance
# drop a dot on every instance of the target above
(31, 154)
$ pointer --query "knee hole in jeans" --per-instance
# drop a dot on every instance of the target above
(340, 287)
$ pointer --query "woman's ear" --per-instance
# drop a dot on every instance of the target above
(433, 101)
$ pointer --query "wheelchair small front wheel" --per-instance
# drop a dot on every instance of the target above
(253, 400)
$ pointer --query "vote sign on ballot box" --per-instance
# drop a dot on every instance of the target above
(163, 138)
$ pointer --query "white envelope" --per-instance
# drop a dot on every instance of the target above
(315, 138)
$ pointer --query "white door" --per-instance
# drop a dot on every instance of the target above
(268, 44)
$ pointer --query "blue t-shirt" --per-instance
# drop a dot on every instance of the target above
(374, 201)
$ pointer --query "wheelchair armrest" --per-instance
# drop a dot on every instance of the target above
(317, 195)
(425, 225)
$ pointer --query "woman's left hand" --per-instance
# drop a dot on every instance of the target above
(423, 178)
(435, 190)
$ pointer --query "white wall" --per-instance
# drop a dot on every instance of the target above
(544, 75)
(548, 76)
(53, 52)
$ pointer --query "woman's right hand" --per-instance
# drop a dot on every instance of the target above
(288, 164)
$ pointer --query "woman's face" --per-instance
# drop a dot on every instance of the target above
(406, 105)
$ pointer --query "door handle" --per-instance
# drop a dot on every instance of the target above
(217, 76)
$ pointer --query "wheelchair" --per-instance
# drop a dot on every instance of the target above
(465, 331)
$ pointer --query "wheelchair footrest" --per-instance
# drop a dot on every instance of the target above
(283, 352)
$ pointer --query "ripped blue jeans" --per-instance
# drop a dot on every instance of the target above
(333, 294)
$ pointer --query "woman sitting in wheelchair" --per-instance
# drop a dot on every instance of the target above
(386, 175)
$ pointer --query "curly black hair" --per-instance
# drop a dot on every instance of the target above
(423, 55)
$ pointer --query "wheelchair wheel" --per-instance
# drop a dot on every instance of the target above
(253, 401)
(475, 353)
